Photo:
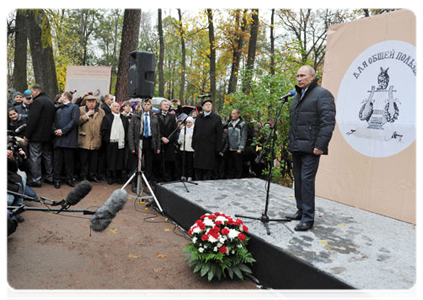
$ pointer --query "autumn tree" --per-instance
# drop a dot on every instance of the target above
(251, 49)
(212, 57)
(183, 58)
(129, 43)
(161, 55)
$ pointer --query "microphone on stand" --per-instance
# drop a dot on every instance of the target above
(106, 213)
(285, 97)
(75, 196)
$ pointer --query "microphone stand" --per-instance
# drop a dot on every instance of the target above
(271, 137)
(141, 177)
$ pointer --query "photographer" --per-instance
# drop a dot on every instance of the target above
(17, 164)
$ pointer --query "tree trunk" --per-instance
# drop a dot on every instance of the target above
(161, 56)
(42, 53)
(183, 52)
(21, 49)
(272, 43)
(236, 58)
(212, 58)
(251, 50)
(129, 43)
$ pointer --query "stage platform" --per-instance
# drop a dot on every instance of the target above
(348, 248)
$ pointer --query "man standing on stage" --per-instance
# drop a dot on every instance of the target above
(237, 135)
(312, 121)
(168, 136)
(206, 141)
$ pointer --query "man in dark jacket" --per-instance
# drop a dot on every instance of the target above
(39, 134)
(168, 136)
(65, 128)
(206, 141)
(144, 126)
(312, 121)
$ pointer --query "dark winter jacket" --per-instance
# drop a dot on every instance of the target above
(312, 120)
(167, 126)
(207, 140)
(137, 126)
(106, 127)
(67, 119)
(40, 121)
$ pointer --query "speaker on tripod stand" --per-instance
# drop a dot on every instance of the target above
(141, 74)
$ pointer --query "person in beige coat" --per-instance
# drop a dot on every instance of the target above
(89, 138)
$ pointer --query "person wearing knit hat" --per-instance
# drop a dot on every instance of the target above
(185, 140)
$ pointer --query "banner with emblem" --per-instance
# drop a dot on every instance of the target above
(370, 68)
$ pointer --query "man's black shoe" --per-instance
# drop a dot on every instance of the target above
(19, 218)
(34, 184)
(303, 226)
(95, 179)
(70, 183)
(57, 185)
(297, 216)
(48, 181)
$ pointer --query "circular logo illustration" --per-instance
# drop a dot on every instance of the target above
(376, 103)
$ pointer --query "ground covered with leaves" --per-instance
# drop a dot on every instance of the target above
(141, 249)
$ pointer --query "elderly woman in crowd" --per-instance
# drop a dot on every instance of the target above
(113, 133)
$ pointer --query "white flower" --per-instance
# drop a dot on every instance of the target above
(212, 239)
(201, 250)
(219, 245)
(209, 222)
(194, 240)
(215, 249)
(239, 245)
(196, 230)
(233, 233)
(222, 239)
(233, 251)
(222, 219)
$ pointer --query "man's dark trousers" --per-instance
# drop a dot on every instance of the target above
(305, 170)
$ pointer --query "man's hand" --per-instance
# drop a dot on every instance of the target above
(165, 140)
(317, 151)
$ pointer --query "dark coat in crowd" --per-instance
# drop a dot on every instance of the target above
(207, 140)
(312, 120)
(137, 125)
(167, 125)
(40, 120)
(67, 119)
(106, 127)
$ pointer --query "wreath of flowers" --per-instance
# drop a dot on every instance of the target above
(219, 246)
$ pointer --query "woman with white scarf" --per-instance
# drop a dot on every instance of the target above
(185, 140)
(113, 132)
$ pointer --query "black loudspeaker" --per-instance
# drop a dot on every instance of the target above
(141, 74)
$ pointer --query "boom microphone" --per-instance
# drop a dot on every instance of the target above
(290, 94)
(78, 193)
(204, 96)
(105, 214)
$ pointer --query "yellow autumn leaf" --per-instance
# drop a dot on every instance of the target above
(113, 230)
(160, 255)
(168, 229)
(324, 242)
(341, 225)
(132, 256)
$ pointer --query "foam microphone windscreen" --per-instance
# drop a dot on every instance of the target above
(105, 214)
(79, 192)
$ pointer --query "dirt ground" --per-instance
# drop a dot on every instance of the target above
(141, 249)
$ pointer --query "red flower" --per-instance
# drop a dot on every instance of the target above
(212, 217)
(217, 214)
(241, 237)
(238, 222)
(245, 228)
(225, 231)
(190, 231)
(205, 237)
(218, 223)
(222, 249)
(230, 221)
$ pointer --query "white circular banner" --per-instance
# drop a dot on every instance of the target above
(376, 103)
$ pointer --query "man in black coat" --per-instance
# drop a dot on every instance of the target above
(65, 128)
(39, 134)
(206, 141)
(168, 136)
(312, 121)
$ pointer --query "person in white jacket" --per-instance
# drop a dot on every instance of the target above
(185, 140)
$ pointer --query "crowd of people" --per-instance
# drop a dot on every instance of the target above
(96, 138)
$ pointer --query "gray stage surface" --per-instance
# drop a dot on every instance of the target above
(363, 249)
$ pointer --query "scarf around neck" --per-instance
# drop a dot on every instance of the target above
(117, 133)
